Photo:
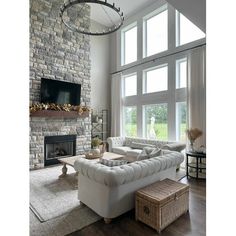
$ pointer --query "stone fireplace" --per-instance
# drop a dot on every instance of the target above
(57, 53)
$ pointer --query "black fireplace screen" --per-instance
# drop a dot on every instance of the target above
(56, 147)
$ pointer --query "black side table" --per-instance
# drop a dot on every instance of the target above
(199, 166)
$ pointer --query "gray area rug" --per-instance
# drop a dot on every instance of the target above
(54, 206)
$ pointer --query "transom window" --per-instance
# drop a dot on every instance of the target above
(156, 32)
(129, 44)
(186, 31)
(181, 73)
(130, 85)
(156, 79)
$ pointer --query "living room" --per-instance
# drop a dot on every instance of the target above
(115, 137)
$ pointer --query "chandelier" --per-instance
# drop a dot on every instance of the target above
(109, 16)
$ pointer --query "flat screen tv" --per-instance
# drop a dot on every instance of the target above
(60, 92)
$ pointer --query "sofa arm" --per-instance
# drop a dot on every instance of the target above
(115, 142)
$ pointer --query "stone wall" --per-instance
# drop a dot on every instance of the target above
(57, 53)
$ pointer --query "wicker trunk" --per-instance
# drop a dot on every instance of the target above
(159, 204)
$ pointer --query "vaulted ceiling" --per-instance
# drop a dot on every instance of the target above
(194, 10)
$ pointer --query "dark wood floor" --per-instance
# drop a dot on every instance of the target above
(190, 224)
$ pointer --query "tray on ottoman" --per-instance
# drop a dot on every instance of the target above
(159, 204)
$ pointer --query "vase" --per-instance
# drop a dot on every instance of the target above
(96, 151)
(191, 147)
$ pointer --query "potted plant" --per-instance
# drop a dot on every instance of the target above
(95, 145)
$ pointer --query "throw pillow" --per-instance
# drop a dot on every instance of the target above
(142, 156)
(113, 162)
(137, 145)
(155, 153)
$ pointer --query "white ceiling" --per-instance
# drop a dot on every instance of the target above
(128, 7)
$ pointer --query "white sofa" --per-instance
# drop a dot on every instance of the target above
(132, 147)
(109, 191)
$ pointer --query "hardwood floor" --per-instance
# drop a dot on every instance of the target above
(190, 224)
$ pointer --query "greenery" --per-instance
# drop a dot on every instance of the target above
(160, 129)
(96, 142)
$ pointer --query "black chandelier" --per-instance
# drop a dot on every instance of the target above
(113, 26)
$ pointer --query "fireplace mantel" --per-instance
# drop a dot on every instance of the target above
(59, 114)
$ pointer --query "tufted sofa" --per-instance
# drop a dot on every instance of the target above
(109, 191)
(132, 147)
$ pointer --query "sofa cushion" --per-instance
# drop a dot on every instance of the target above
(121, 150)
(138, 145)
(133, 152)
(112, 162)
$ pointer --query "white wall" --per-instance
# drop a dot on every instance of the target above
(100, 72)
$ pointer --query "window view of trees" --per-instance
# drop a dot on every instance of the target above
(156, 121)
(130, 121)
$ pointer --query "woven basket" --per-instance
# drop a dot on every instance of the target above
(159, 204)
(91, 156)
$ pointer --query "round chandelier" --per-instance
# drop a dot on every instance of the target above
(109, 16)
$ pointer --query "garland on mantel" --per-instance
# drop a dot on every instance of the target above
(58, 107)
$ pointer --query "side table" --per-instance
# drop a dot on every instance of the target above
(199, 165)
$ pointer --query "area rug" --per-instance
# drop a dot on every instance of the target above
(54, 205)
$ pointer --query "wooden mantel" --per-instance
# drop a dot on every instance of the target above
(59, 114)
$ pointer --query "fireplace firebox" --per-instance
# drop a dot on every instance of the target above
(56, 147)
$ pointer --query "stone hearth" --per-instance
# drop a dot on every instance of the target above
(57, 53)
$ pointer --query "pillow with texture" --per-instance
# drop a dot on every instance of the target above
(142, 156)
(113, 162)
(137, 145)
(155, 153)
(149, 153)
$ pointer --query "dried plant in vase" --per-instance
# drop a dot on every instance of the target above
(192, 135)
(95, 145)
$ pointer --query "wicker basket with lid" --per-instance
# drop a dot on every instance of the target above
(159, 204)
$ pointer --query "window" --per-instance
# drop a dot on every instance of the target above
(130, 121)
(181, 120)
(156, 79)
(181, 73)
(155, 121)
(130, 85)
(186, 31)
(129, 44)
(156, 32)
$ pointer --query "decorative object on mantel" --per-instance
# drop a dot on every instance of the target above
(111, 16)
(193, 134)
(52, 109)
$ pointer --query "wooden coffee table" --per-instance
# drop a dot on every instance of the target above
(71, 160)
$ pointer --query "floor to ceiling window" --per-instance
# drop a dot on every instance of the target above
(154, 93)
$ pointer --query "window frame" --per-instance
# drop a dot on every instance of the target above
(123, 31)
(177, 71)
(123, 84)
(144, 78)
(144, 31)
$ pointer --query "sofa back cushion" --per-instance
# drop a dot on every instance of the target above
(128, 142)
(138, 145)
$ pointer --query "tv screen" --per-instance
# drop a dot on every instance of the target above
(59, 92)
